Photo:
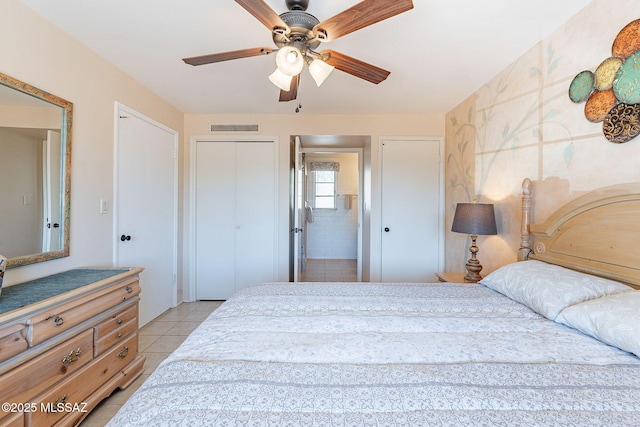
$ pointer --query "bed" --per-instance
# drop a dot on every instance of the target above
(553, 340)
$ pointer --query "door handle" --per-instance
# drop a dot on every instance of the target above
(125, 237)
(387, 229)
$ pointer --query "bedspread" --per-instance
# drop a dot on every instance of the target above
(385, 354)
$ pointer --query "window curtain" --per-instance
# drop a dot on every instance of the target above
(324, 166)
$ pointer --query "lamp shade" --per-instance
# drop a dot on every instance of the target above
(320, 70)
(289, 60)
(281, 80)
(474, 218)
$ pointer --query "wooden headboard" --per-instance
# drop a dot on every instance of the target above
(597, 233)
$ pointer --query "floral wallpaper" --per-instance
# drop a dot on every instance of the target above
(522, 124)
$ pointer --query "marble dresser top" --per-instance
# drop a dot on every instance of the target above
(33, 291)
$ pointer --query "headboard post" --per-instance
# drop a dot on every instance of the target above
(525, 234)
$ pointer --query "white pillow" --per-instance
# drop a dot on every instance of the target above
(547, 288)
(614, 320)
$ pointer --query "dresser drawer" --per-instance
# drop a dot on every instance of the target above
(12, 341)
(115, 329)
(115, 336)
(116, 321)
(74, 391)
(27, 380)
(59, 319)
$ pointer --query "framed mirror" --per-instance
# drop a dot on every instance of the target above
(35, 173)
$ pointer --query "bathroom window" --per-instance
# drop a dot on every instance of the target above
(324, 189)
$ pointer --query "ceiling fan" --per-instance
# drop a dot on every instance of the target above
(297, 34)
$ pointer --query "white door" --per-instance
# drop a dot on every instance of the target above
(146, 209)
(51, 192)
(215, 198)
(235, 216)
(298, 229)
(255, 213)
(54, 161)
(410, 210)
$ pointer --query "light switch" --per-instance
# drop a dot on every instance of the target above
(26, 200)
(104, 206)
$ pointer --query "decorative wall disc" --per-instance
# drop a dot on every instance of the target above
(582, 86)
(627, 41)
(606, 72)
(622, 123)
(626, 84)
(599, 104)
(612, 92)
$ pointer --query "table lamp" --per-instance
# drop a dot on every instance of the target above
(474, 219)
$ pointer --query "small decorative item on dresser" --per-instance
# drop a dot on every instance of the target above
(3, 267)
(474, 219)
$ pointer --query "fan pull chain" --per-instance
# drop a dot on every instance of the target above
(299, 107)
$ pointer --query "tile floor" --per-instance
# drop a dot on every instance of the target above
(156, 340)
(330, 270)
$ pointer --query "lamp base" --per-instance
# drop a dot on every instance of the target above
(473, 271)
(473, 265)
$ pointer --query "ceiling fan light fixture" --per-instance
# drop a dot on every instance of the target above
(281, 80)
(320, 70)
(289, 60)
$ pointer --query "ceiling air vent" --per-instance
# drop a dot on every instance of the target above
(234, 128)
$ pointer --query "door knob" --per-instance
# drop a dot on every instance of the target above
(387, 229)
(123, 237)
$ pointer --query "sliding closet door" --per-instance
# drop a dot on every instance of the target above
(255, 213)
(235, 211)
(215, 219)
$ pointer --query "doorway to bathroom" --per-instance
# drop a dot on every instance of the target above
(328, 203)
(330, 243)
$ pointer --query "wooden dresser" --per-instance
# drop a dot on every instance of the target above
(67, 341)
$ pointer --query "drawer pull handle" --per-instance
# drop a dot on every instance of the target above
(123, 353)
(58, 320)
(119, 321)
(128, 289)
(120, 335)
(72, 357)
(60, 400)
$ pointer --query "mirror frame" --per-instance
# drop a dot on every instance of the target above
(65, 128)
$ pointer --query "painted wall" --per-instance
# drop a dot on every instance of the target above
(38, 53)
(522, 124)
(334, 232)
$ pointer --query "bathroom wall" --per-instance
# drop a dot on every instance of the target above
(334, 232)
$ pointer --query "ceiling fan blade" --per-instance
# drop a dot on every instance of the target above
(292, 93)
(263, 13)
(355, 67)
(361, 15)
(226, 56)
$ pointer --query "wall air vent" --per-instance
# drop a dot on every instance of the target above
(234, 128)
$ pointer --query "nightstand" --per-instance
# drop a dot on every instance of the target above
(452, 277)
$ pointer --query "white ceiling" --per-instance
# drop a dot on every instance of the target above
(438, 53)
